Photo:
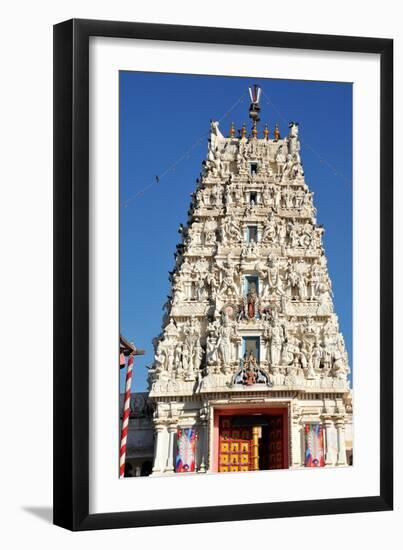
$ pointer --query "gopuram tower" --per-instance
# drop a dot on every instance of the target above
(250, 370)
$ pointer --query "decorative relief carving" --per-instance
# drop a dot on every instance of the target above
(251, 265)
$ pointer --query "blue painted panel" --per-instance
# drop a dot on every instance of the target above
(248, 280)
(251, 343)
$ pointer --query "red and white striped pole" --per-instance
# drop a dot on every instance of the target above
(126, 414)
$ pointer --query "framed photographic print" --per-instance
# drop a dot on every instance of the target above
(223, 274)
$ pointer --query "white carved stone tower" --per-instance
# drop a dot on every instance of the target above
(250, 319)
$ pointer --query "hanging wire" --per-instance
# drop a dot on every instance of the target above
(322, 159)
(184, 156)
(280, 114)
(201, 139)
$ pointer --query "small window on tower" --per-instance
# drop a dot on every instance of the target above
(253, 198)
(252, 233)
(253, 167)
(251, 284)
(251, 345)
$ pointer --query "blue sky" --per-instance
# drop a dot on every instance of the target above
(165, 118)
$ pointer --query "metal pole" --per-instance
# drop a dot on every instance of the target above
(125, 420)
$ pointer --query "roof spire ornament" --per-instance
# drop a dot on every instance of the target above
(243, 131)
(232, 130)
(254, 109)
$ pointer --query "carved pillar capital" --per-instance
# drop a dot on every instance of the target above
(159, 427)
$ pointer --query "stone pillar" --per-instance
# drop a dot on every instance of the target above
(160, 436)
(171, 449)
(202, 448)
(202, 442)
(209, 452)
(341, 446)
(328, 426)
(296, 450)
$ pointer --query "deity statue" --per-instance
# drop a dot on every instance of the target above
(303, 357)
(200, 288)
(224, 340)
(170, 358)
(288, 199)
(280, 160)
(293, 235)
(306, 235)
(250, 377)
(276, 198)
(310, 371)
(317, 237)
(282, 232)
(316, 357)
(270, 230)
(266, 196)
(310, 330)
(302, 287)
(186, 268)
(287, 353)
(211, 349)
(340, 369)
(210, 227)
(276, 341)
(251, 302)
(228, 281)
(229, 194)
(230, 231)
(198, 356)
(297, 169)
(218, 194)
(273, 279)
(211, 282)
(206, 197)
(191, 332)
(214, 162)
(178, 289)
(185, 358)
(316, 278)
(239, 199)
(326, 361)
(292, 278)
(178, 357)
(293, 138)
(287, 171)
(160, 360)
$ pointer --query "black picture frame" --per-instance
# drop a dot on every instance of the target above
(71, 274)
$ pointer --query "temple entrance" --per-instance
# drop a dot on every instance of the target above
(252, 442)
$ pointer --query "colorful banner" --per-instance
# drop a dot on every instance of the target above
(314, 453)
(186, 450)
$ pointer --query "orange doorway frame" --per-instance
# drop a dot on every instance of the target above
(220, 412)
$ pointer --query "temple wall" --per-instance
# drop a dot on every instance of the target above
(330, 413)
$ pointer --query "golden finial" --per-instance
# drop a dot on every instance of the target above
(243, 131)
(266, 132)
(276, 132)
(232, 130)
(254, 129)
